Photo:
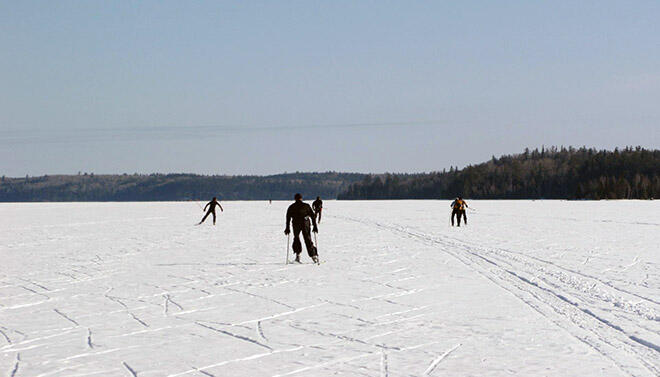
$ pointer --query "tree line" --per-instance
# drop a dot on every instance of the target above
(553, 173)
(172, 187)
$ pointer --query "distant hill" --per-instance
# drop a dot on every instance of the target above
(161, 187)
(546, 174)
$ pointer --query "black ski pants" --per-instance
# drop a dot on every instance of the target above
(317, 213)
(307, 237)
(458, 213)
(207, 215)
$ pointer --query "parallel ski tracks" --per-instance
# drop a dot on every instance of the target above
(555, 299)
(560, 267)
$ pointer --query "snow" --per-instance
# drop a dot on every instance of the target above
(528, 288)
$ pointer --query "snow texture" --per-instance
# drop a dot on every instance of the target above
(528, 288)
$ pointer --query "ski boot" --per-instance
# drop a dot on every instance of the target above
(297, 260)
(315, 258)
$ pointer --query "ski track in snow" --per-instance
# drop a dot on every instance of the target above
(397, 292)
(438, 359)
(609, 340)
(130, 370)
(14, 370)
(384, 372)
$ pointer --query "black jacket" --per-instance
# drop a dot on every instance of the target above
(298, 212)
(212, 204)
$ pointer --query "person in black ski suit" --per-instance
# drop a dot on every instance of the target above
(317, 205)
(211, 205)
(299, 214)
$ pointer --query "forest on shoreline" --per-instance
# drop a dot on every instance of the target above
(552, 173)
(172, 187)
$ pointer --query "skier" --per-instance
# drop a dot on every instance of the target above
(299, 214)
(458, 209)
(317, 205)
(211, 205)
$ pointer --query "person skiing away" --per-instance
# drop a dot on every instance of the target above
(317, 205)
(299, 214)
(458, 209)
(211, 206)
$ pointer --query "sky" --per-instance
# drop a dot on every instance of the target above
(264, 87)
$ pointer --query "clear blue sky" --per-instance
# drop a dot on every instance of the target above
(243, 87)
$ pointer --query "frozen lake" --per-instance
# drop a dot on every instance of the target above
(529, 288)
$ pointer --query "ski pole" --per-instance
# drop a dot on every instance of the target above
(287, 248)
(316, 241)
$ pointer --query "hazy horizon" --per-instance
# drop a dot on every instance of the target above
(447, 168)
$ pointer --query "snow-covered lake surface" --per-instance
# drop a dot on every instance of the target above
(529, 288)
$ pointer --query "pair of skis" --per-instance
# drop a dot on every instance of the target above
(316, 246)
